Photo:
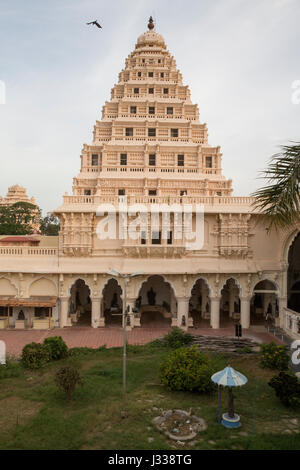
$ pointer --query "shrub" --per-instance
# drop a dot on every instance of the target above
(12, 368)
(57, 347)
(67, 378)
(274, 356)
(81, 351)
(177, 338)
(187, 369)
(35, 355)
(287, 388)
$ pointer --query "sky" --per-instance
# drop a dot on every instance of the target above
(240, 58)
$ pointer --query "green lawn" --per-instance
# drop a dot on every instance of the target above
(35, 415)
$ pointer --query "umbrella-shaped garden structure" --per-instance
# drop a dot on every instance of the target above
(229, 377)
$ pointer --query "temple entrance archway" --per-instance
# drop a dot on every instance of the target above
(293, 275)
(199, 305)
(230, 304)
(112, 303)
(80, 306)
(156, 302)
(264, 303)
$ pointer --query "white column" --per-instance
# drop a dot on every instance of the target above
(215, 312)
(245, 312)
(63, 314)
(182, 311)
(96, 304)
(102, 318)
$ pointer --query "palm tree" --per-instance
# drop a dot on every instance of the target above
(279, 201)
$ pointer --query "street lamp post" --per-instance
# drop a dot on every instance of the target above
(125, 314)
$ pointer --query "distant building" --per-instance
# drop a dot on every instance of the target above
(16, 194)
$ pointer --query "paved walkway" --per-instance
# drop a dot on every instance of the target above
(112, 336)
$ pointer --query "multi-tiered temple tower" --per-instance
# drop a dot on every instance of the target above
(149, 146)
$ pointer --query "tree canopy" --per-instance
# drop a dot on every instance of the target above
(18, 219)
(49, 225)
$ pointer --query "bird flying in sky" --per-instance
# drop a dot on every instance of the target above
(95, 23)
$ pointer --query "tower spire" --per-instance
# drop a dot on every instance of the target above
(151, 23)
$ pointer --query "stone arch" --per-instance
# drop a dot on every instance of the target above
(287, 243)
(74, 280)
(139, 286)
(264, 303)
(230, 301)
(293, 273)
(80, 303)
(156, 301)
(42, 286)
(202, 278)
(237, 282)
(112, 302)
(266, 284)
(8, 287)
(199, 302)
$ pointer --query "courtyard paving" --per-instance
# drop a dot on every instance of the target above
(113, 336)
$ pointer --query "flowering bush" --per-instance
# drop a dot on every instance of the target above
(274, 356)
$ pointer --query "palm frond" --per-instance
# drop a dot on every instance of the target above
(279, 200)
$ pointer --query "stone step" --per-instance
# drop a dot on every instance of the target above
(224, 343)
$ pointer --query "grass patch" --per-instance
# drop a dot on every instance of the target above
(34, 413)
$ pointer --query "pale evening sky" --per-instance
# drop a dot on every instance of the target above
(239, 58)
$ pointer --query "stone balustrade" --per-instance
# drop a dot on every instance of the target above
(27, 251)
(206, 200)
(291, 322)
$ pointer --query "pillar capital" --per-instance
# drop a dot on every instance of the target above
(245, 298)
(183, 299)
(96, 299)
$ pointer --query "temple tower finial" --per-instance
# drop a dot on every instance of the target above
(151, 23)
